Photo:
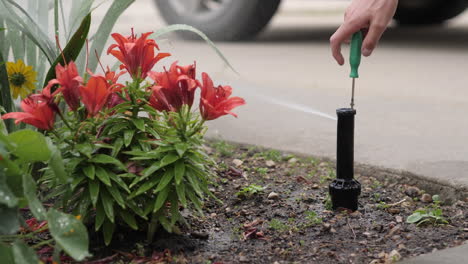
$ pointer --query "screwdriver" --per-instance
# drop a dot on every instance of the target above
(355, 60)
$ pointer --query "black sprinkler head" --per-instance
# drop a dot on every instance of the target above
(345, 190)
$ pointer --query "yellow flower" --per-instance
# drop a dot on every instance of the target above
(21, 78)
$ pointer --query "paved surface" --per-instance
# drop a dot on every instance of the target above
(411, 99)
(455, 255)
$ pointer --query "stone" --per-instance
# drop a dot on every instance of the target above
(237, 162)
(315, 186)
(394, 255)
(273, 196)
(243, 259)
(426, 198)
(393, 210)
(412, 191)
(213, 214)
(399, 219)
(292, 160)
(270, 163)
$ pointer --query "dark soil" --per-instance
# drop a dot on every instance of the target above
(290, 220)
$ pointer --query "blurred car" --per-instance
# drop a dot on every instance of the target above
(231, 20)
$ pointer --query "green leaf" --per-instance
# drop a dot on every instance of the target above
(132, 205)
(161, 198)
(89, 171)
(30, 145)
(179, 171)
(117, 147)
(128, 136)
(106, 159)
(129, 219)
(108, 205)
(23, 254)
(195, 200)
(166, 179)
(94, 191)
(29, 188)
(28, 26)
(76, 181)
(5, 95)
(105, 28)
(117, 196)
(7, 197)
(119, 181)
(168, 159)
(85, 148)
(103, 176)
(7, 254)
(56, 163)
(414, 218)
(100, 216)
(181, 148)
(180, 190)
(108, 231)
(139, 124)
(9, 222)
(181, 27)
(146, 186)
(165, 223)
(69, 233)
(73, 48)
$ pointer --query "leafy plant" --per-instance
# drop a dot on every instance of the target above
(250, 190)
(223, 148)
(277, 225)
(19, 151)
(270, 155)
(261, 171)
(431, 215)
(312, 218)
(134, 150)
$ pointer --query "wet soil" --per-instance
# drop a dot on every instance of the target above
(276, 209)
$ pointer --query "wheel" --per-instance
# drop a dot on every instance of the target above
(224, 20)
(422, 12)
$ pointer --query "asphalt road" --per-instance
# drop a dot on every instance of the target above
(411, 99)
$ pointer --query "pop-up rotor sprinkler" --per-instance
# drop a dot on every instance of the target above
(345, 190)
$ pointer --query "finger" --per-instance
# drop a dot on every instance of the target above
(343, 33)
(372, 37)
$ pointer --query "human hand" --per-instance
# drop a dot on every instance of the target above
(374, 15)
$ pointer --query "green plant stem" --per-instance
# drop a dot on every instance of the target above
(42, 243)
(64, 120)
(152, 227)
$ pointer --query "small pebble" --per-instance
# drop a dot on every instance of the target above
(412, 191)
(243, 259)
(426, 198)
(273, 196)
(393, 210)
(270, 163)
(213, 214)
(315, 186)
(292, 160)
(394, 255)
(237, 162)
(399, 219)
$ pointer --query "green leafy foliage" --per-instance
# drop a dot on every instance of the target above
(19, 151)
(430, 215)
(250, 190)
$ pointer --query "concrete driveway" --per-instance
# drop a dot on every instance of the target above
(411, 99)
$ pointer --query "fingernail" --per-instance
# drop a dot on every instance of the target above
(366, 52)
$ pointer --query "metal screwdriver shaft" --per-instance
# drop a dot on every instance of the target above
(355, 61)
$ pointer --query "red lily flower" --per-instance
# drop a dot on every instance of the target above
(39, 111)
(69, 80)
(34, 225)
(95, 94)
(173, 88)
(215, 102)
(136, 54)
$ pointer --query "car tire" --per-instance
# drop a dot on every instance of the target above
(426, 12)
(234, 20)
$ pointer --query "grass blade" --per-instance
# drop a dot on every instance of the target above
(5, 95)
(181, 27)
(73, 48)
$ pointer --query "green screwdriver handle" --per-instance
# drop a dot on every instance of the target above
(355, 54)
